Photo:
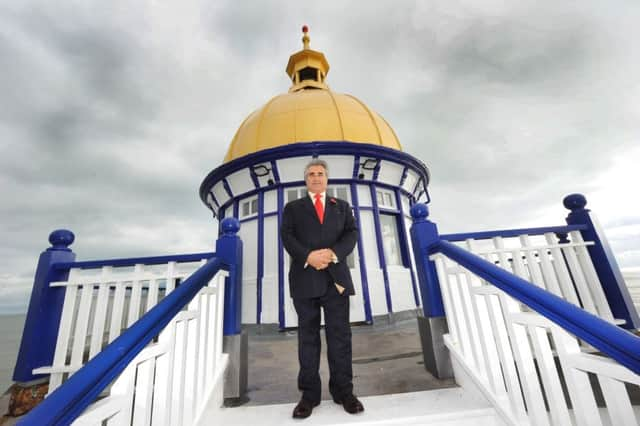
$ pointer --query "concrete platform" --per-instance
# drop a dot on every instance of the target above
(387, 359)
(442, 407)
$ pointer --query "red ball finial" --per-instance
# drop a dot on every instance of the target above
(305, 29)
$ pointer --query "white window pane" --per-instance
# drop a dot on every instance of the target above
(390, 240)
(292, 194)
(387, 197)
(254, 206)
(379, 197)
(245, 208)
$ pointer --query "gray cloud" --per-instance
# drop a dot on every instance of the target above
(112, 114)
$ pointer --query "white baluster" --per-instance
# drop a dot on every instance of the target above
(579, 279)
(560, 266)
(619, 407)
(82, 323)
(116, 312)
(549, 375)
(136, 292)
(583, 402)
(99, 318)
(595, 287)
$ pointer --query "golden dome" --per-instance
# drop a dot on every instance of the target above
(310, 112)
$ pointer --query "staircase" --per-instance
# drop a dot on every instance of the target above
(441, 407)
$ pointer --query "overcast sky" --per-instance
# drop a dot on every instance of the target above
(112, 113)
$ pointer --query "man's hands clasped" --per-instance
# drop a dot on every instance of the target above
(320, 259)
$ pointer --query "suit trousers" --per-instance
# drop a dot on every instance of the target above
(338, 336)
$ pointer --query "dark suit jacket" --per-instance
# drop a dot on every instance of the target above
(302, 232)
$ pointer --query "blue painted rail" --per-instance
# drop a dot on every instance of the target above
(68, 401)
(614, 341)
(619, 344)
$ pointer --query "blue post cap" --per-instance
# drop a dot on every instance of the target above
(574, 202)
(61, 239)
(230, 226)
(419, 212)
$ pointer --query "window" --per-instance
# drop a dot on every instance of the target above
(294, 194)
(249, 208)
(390, 240)
(308, 73)
(385, 199)
(341, 192)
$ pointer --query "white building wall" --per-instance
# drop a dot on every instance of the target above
(248, 232)
(375, 279)
(270, 279)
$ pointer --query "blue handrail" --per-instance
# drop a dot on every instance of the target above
(509, 233)
(614, 341)
(68, 401)
(150, 260)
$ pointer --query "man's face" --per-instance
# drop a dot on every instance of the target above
(316, 179)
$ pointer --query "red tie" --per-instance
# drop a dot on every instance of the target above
(319, 209)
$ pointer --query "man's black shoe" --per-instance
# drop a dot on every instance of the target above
(304, 409)
(351, 404)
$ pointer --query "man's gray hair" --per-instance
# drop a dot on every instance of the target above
(316, 162)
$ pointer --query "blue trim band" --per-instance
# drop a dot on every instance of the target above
(366, 298)
(226, 186)
(404, 246)
(313, 148)
(376, 171)
(153, 260)
(415, 189)
(356, 166)
(509, 233)
(381, 256)
(214, 198)
(254, 177)
(405, 173)
(236, 207)
(281, 318)
(260, 258)
(274, 170)
(301, 184)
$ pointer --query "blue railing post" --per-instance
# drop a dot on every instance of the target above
(604, 262)
(433, 324)
(45, 308)
(235, 341)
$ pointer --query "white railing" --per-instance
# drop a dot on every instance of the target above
(100, 303)
(632, 278)
(510, 352)
(565, 270)
(172, 381)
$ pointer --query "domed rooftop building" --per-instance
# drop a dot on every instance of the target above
(263, 170)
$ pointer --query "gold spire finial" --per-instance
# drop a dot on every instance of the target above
(307, 68)
(305, 37)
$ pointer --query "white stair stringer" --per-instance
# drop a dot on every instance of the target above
(442, 407)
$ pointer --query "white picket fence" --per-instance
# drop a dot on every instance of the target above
(100, 303)
(632, 278)
(510, 351)
(172, 381)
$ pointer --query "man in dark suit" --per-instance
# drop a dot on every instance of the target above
(319, 232)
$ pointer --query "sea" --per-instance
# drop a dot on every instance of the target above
(11, 327)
